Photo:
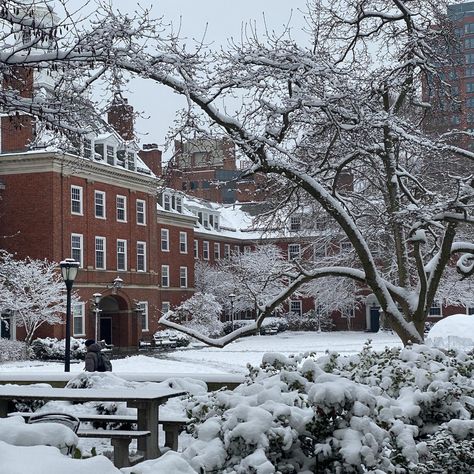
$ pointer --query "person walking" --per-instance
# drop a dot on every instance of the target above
(96, 360)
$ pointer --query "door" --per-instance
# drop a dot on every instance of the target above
(105, 333)
(5, 327)
(374, 318)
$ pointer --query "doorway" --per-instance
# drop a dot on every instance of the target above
(105, 333)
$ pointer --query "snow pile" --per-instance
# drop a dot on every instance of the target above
(453, 332)
(13, 350)
(393, 411)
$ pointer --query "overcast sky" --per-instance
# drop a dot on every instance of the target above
(224, 19)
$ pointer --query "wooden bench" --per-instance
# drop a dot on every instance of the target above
(172, 425)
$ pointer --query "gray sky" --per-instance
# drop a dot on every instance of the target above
(224, 19)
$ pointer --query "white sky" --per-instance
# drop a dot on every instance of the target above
(223, 19)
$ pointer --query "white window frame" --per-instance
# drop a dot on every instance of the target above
(124, 253)
(183, 277)
(205, 250)
(165, 304)
(77, 199)
(103, 250)
(298, 303)
(196, 248)
(121, 206)
(143, 305)
(166, 201)
(165, 276)
(183, 242)
(96, 195)
(295, 223)
(78, 312)
(141, 214)
(217, 251)
(292, 251)
(436, 304)
(80, 248)
(165, 240)
(226, 250)
(143, 253)
(179, 204)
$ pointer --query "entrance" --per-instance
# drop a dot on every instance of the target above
(105, 333)
(374, 318)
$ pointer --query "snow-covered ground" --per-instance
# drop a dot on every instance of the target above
(233, 358)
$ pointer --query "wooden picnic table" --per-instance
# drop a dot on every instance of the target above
(146, 401)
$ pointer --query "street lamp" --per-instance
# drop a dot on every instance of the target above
(69, 268)
(232, 297)
(97, 310)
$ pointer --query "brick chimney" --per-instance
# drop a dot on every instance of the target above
(120, 116)
(151, 156)
(17, 130)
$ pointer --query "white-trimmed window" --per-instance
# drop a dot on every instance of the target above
(226, 251)
(296, 307)
(295, 223)
(346, 246)
(78, 319)
(143, 308)
(166, 202)
(121, 255)
(76, 200)
(87, 148)
(165, 276)
(247, 249)
(100, 247)
(206, 220)
(141, 212)
(294, 251)
(196, 249)
(165, 240)
(110, 151)
(436, 310)
(121, 208)
(236, 250)
(141, 256)
(183, 242)
(179, 204)
(77, 248)
(165, 307)
(205, 250)
(217, 251)
(183, 277)
(99, 204)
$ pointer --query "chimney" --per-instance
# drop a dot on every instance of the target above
(151, 156)
(120, 117)
(17, 130)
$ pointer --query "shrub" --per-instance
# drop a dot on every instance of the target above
(181, 339)
(13, 350)
(310, 321)
(51, 348)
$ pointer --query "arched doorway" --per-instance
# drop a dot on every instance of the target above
(116, 325)
(372, 313)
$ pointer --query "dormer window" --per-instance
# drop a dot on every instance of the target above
(166, 202)
(99, 151)
(200, 217)
(295, 223)
(121, 158)
(87, 148)
(206, 220)
(179, 204)
(131, 160)
(110, 154)
(216, 222)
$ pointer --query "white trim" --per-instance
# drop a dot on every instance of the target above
(139, 242)
(124, 253)
(104, 251)
(165, 273)
(80, 248)
(196, 248)
(143, 213)
(144, 315)
(205, 250)
(183, 275)
(80, 200)
(102, 193)
(118, 198)
(165, 238)
(217, 251)
(183, 242)
(81, 316)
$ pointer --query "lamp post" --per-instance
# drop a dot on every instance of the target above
(69, 268)
(97, 310)
(232, 297)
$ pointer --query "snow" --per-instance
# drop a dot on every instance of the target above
(453, 332)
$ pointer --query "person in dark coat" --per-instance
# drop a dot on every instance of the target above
(92, 359)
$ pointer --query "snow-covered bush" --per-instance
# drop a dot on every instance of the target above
(181, 340)
(386, 411)
(13, 350)
(310, 321)
(51, 348)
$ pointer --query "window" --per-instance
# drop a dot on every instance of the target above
(165, 276)
(183, 242)
(141, 256)
(205, 250)
(226, 250)
(100, 253)
(77, 249)
(294, 251)
(99, 204)
(345, 246)
(183, 277)
(319, 251)
(165, 240)
(142, 306)
(236, 250)
(200, 217)
(110, 154)
(78, 319)
(470, 102)
(295, 307)
(216, 222)
(76, 200)
(469, 71)
(179, 204)
(121, 254)
(99, 151)
(205, 221)
(217, 251)
(87, 148)
(469, 43)
(121, 208)
(141, 212)
(196, 249)
(469, 58)
(295, 223)
(470, 86)
(166, 202)
(247, 249)
(469, 28)
(165, 307)
(435, 310)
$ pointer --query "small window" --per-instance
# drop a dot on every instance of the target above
(247, 249)
(470, 86)
(346, 246)
(77, 249)
(295, 307)
(469, 58)
(99, 204)
(183, 277)
(141, 256)
(100, 253)
(165, 307)
(165, 240)
(217, 251)
(226, 250)
(206, 220)
(435, 310)
(295, 223)
(236, 250)
(121, 255)
(196, 249)
(87, 148)
(216, 222)
(121, 209)
(469, 28)
(110, 154)
(99, 151)
(179, 204)
(183, 242)
(165, 276)
(166, 202)
(142, 306)
(131, 161)
(141, 212)
(294, 251)
(200, 220)
(78, 319)
(76, 200)
(205, 250)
